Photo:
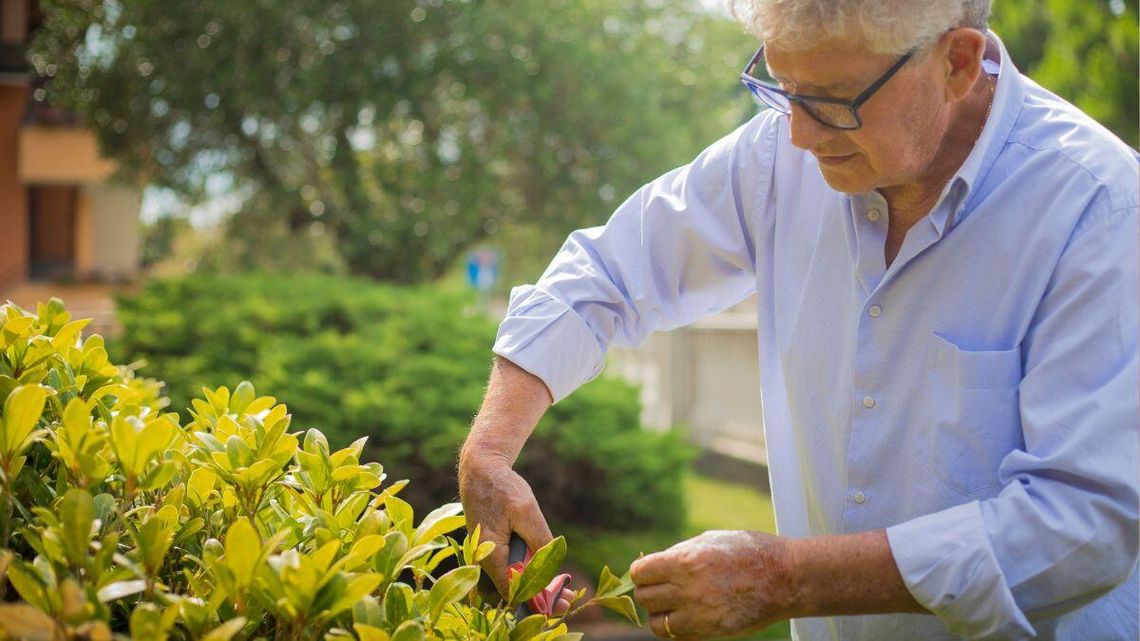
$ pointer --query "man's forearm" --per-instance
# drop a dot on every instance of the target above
(514, 403)
(848, 574)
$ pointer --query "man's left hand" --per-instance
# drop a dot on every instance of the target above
(717, 584)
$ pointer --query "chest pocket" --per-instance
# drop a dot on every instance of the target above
(971, 416)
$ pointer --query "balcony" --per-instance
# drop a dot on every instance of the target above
(53, 155)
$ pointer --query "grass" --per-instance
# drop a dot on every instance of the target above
(711, 505)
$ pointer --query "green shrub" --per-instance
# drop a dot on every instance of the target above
(116, 518)
(405, 367)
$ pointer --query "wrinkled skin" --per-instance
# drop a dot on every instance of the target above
(717, 584)
(500, 501)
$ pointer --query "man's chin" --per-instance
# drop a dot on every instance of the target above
(846, 182)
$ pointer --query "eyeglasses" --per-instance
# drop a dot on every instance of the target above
(829, 112)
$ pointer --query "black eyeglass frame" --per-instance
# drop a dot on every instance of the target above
(757, 87)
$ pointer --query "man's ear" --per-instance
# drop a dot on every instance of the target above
(962, 50)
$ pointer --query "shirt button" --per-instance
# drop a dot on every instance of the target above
(875, 311)
(873, 215)
(860, 498)
(868, 401)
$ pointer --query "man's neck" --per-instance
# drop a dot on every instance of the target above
(908, 203)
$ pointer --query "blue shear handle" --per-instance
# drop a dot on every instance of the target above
(516, 553)
(516, 550)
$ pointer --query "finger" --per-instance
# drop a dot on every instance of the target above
(654, 568)
(659, 597)
(562, 606)
(529, 523)
(657, 625)
(495, 565)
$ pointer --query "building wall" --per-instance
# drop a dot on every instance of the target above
(13, 195)
(114, 231)
(61, 155)
(705, 377)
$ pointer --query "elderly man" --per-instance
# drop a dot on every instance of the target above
(945, 257)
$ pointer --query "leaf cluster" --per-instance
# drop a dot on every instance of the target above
(119, 520)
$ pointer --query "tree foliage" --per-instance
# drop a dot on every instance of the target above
(1086, 52)
(384, 137)
(405, 130)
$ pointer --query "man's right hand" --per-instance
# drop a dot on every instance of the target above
(500, 501)
(494, 496)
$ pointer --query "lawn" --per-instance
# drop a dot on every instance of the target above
(712, 505)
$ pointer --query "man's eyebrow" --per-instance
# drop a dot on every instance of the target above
(819, 89)
(815, 88)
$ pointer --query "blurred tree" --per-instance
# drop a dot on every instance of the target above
(403, 130)
(158, 238)
(1087, 52)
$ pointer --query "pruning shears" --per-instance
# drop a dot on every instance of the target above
(518, 556)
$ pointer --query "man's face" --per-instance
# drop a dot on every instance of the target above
(903, 121)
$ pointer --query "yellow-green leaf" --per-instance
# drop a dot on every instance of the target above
(369, 633)
(17, 327)
(441, 520)
(22, 621)
(76, 514)
(77, 416)
(539, 572)
(154, 437)
(409, 631)
(484, 550)
(202, 482)
(22, 409)
(362, 551)
(120, 589)
(397, 602)
(243, 549)
(623, 605)
(528, 628)
(225, 631)
(28, 584)
(452, 587)
(358, 587)
(69, 333)
(241, 398)
(260, 405)
(124, 441)
(159, 476)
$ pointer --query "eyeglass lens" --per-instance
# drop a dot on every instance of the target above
(828, 113)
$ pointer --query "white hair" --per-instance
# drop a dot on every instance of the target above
(885, 26)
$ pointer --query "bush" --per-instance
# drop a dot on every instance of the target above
(118, 518)
(406, 367)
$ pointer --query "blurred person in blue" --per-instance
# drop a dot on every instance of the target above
(946, 260)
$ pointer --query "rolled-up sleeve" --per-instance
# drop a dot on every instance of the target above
(1063, 531)
(680, 248)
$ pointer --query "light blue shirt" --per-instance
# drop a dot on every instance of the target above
(979, 398)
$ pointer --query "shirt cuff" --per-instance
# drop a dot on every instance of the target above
(542, 335)
(949, 567)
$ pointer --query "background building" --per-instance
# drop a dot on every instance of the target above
(62, 217)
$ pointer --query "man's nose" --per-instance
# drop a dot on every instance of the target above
(806, 131)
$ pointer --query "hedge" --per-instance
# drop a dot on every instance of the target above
(121, 520)
(407, 368)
